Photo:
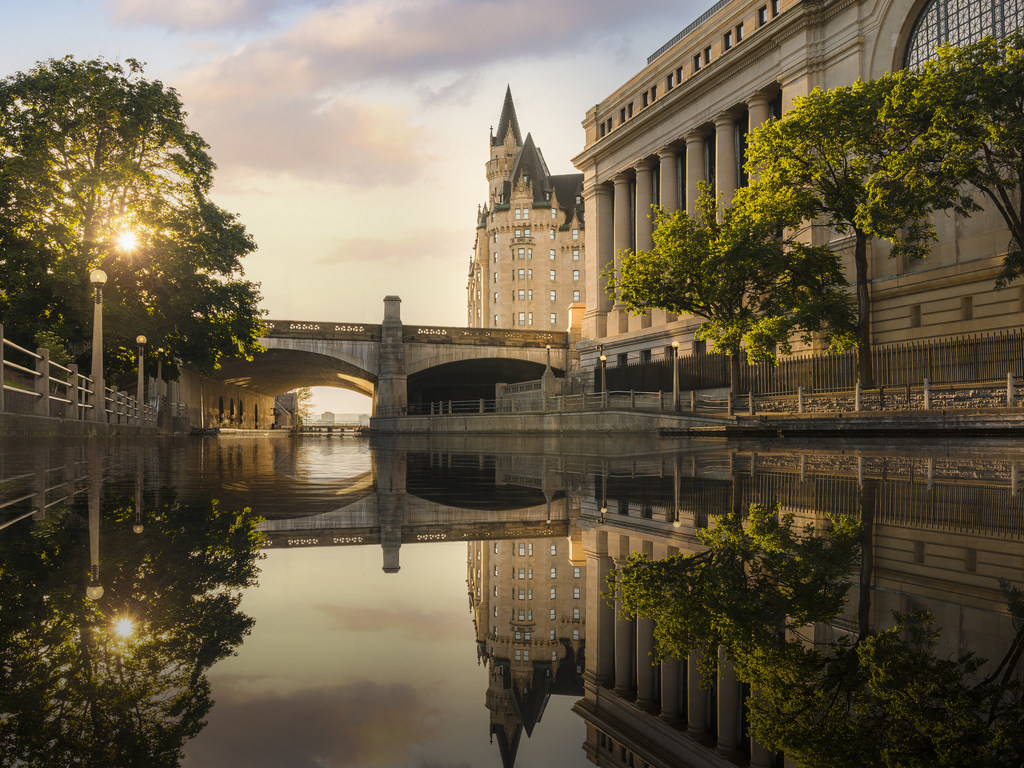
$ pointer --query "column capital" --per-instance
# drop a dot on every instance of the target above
(666, 152)
(758, 99)
(644, 166)
(695, 136)
(726, 119)
(623, 177)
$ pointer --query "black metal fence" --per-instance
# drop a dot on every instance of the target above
(942, 361)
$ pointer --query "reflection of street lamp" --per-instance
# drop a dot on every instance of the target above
(675, 375)
(141, 341)
(98, 278)
(95, 590)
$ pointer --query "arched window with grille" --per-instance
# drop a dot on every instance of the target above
(959, 22)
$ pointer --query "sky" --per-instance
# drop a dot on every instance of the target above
(350, 137)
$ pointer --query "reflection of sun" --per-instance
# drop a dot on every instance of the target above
(123, 627)
(127, 241)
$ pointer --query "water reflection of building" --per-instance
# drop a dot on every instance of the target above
(942, 531)
(529, 610)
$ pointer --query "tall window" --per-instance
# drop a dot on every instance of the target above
(960, 22)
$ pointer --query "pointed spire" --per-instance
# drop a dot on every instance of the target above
(507, 121)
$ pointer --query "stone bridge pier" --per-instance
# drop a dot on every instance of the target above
(391, 394)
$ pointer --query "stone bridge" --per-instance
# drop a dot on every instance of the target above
(401, 367)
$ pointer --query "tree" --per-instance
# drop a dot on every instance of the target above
(304, 404)
(883, 699)
(89, 151)
(753, 288)
(970, 102)
(826, 163)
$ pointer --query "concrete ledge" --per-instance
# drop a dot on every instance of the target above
(19, 425)
(561, 422)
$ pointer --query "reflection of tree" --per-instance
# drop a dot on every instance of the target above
(883, 698)
(75, 692)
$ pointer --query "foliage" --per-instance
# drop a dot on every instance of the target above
(88, 151)
(825, 165)
(884, 699)
(304, 403)
(72, 691)
(753, 288)
(970, 103)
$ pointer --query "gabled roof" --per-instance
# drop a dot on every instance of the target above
(530, 162)
(507, 121)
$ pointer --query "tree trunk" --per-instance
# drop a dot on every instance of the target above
(734, 371)
(860, 259)
(867, 557)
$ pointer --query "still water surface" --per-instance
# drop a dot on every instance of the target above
(416, 604)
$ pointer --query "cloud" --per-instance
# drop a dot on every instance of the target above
(398, 251)
(357, 724)
(410, 623)
(201, 15)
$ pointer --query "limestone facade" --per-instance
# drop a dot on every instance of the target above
(529, 258)
(684, 118)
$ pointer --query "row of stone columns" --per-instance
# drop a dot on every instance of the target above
(615, 225)
(612, 663)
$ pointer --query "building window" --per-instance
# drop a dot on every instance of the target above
(522, 274)
(575, 634)
(575, 613)
(526, 215)
(522, 318)
(495, 277)
(775, 7)
(707, 55)
(552, 593)
(696, 62)
(518, 635)
(629, 110)
(622, 116)
(529, 614)
(552, 295)
(575, 254)
(679, 74)
(551, 234)
(522, 615)
(495, 296)
(739, 31)
(575, 572)
(727, 41)
(644, 99)
(762, 15)
(957, 23)
(915, 316)
(529, 573)
(530, 322)
(495, 610)
(529, 254)
(519, 233)
(967, 308)
(554, 549)
(575, 234)
(554, 318)
(495, 321)
(654, 97)
(519, 655)
(495, 591)
(553, 572)
(529, 274)
(551, 614)
(495, 257)
(522, 253)
(551, 635)
(551, 254)
(575, 593)
(529, 294)
(522, 573)
(552, 274)
(526, 232)
(554, 213)
(668, 81)
(554, 654)
(522, 594)
(529, 596)
(575, 295)
(517, 213)
(575, 275)
(526, 635)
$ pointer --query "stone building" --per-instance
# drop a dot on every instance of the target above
(529, 609)
(529, 259)
(684, 118)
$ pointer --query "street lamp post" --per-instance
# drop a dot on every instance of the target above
(675, 375)
(99, 407)
(604, 381)
(141, 341)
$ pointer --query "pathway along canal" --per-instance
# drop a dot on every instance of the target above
(431, 602)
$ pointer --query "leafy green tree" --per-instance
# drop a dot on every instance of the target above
(90, 151)
(968, 105)
(882, 699)
(752, 288)
(304, 404)
(825, 166)
(73, 691)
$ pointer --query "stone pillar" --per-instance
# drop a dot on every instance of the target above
(758, 113)
(644, 201)
(668, 191)
(600, 627)
(645, 669)
(623, 643)
(729, 704)
(694, 169)
(725, 158)
(600, 254)
(390, 396)
(696, 699)
(670, 689)
(622, 241)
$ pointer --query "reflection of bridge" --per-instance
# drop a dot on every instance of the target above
(397, 365)
(411, 498)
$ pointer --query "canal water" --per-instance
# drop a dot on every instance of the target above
(421, 602)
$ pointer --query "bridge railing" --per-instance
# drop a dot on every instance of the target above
(32, 384)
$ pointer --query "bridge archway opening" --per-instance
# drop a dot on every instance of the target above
(469, 379)
(276, 371)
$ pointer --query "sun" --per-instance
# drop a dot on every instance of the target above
(127, 241)
(124, 627)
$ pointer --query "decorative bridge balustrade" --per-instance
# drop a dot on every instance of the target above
(418, 334)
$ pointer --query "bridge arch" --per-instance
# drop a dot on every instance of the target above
(280, 370)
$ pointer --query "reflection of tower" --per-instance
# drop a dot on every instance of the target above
(390, 482)
(528, 600)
